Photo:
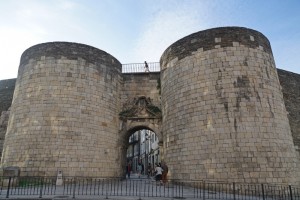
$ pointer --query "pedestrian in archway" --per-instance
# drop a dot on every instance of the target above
(128, 169)
(139, 169)
(164, 166)
(158, 173)
(143, 169)
(149, 173)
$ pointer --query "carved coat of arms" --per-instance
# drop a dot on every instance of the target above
(140, 107)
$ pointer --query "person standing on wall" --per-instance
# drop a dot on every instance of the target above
(146, 67)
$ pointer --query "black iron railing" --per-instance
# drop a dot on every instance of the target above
(46, 187)
(140, 67)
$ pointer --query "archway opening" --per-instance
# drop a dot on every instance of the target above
(143, 148)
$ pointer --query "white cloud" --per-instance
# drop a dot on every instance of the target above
(32, 23)
(12, 46)
(166, 27)
(96, 23)
(68, 5)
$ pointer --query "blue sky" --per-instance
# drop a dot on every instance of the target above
(136, 30)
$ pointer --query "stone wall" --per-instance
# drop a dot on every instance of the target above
(7, 88)
(290, 83)
(65, 112)
(141, 84)
(3, 127)
(224, 117)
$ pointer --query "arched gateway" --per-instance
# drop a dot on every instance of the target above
(216, 106)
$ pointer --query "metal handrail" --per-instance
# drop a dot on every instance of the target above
(140, 67)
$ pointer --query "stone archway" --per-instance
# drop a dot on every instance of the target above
(138, 114)
(141, 112)
(132, 129)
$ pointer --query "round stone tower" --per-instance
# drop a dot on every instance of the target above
(64, 114)
(224, 117)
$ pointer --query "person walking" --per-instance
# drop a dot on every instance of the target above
(149, 173)
(158, 173)
(139, 169)
(164, 166)
(128, 169)
(146, 67)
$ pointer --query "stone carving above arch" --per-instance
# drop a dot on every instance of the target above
(140, 113)
(140, 107)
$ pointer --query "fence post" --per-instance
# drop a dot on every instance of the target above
(8, 187)
(74, 188)
(291, 192)
(107, 186)
(204, 190)
(139, 189)
(41, 189)
(234, 190)
(263, 191)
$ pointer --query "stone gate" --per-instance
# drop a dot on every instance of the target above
(216, 106)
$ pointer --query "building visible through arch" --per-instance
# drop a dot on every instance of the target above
(143, 148)
(216, 107)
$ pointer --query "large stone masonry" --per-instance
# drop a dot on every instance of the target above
(64, 114)
(7, 88)
(3, 127)
(224, 117)
(141, 84)
(290, 83)
(138, 84)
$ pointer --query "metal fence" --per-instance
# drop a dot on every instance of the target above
(84, 187)
(140, 67)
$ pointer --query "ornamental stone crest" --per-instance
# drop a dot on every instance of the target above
(140, 107)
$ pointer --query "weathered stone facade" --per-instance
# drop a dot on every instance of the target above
(141, 84)
(221, 115)
(223, 111)
(290, 83)
(3, 127)
(7, 88)
(64, 114)
(141, 106)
